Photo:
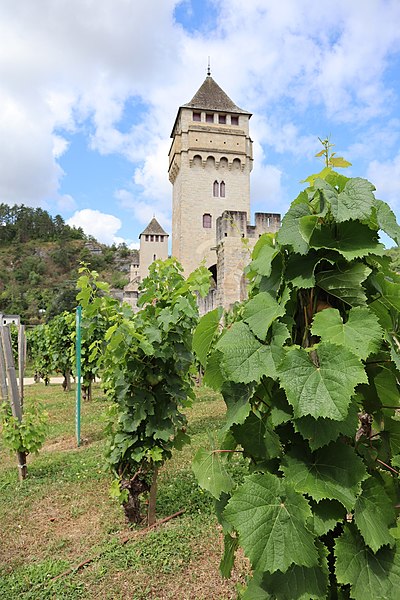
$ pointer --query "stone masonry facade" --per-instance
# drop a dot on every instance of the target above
(210, 161)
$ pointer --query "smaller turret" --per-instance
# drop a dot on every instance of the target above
(153, 245)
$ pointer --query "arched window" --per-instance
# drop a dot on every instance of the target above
(222, 189)
(207, 221)
(210, 162)
(236, 164)
(154, 256)
(215, 189)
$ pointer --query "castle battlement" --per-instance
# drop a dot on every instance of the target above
(234, 223)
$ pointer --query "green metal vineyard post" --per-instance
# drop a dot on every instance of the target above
(78, 374)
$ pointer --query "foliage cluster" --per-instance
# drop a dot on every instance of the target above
(99, 311)
(21, 223)
(39, 351)
(51, 348)
(28, 435)
(145, 361)
(39, 277)
(309, 372)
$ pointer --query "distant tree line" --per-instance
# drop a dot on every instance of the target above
(21, 223)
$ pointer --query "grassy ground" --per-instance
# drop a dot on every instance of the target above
(62, 515)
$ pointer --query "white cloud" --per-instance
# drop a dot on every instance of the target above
(266, 189)
(379, 140)
(60, 145)
(73, 61)
(386, 178)
(100, 225)
(153, 175)
(66, 203)
(64, 63)
(144, 209)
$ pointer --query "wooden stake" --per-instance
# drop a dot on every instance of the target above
(21, 362)
(11, 376)
(3, 376)
(14, 392)
(151, 513)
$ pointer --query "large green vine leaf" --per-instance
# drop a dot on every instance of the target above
(356, 201)
(243, 355)
(260, 312)
(325, 192)
(257, 437)
(374, 514)
(254, 590)
(320, 383)
(245, 358)
(211, 473)
(326, 515)
(320, 432)
(300, 269)
(334, 472)
(236, 396)
(214, 377)
(387, 220)
(387, 387)
(262, 264)
(299, 583)
(228, 559)
(205, 333)
(289, 233)
(361, 334)
(392, 429)
(270, 518)
(389, 290)
(345, 283)
(371, 575)
(352, 239)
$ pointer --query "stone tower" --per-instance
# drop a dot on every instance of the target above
(210, 161)
(153, 245)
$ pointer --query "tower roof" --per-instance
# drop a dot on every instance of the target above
(154, 227)
(210, 96)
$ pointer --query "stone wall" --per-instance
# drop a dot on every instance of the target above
(236, 239)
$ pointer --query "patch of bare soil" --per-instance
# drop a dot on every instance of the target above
(64, 524)
(61, 444)
(199, 580)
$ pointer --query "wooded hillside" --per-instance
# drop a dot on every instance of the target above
(39, 260)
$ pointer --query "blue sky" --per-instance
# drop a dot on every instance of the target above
(89, 91)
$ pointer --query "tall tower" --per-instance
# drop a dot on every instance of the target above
(210, 161)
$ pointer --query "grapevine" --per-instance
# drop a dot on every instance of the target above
(145, 361)
(309, 371)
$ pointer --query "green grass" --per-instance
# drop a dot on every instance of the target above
(62, 515)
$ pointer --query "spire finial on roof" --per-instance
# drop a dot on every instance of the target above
(209, 68)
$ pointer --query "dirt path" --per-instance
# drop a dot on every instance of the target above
(31, 381)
